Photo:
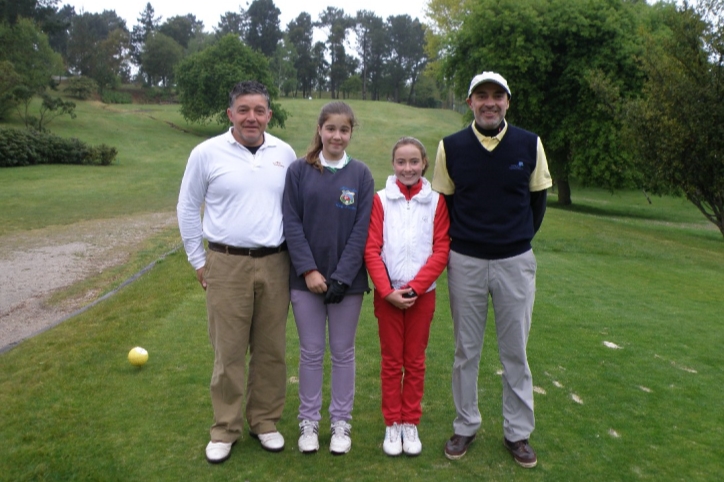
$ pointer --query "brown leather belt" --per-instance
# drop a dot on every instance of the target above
(253, 252)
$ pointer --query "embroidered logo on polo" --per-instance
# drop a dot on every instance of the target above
(347, 198)
(516, 167)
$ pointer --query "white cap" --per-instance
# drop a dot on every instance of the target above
(494, 77)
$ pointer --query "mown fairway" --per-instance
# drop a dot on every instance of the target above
(625, 347)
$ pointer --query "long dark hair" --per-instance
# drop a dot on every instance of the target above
(330, 109)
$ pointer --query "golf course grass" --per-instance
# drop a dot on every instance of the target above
(625, 348)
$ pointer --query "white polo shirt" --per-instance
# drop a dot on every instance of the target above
(241, 193)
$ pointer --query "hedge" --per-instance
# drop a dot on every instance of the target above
(27, 148)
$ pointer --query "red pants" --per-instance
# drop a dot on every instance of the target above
(404, 335)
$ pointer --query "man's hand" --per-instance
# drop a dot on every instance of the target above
(335, 292)
(200, 277)
(402, 299)
(316, 283)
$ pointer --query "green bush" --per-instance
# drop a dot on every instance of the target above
(115, 97)
(161, 96)
(26, 148)
(81, 87)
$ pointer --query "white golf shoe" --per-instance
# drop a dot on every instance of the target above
(393, 440)
(217, 452)
(411, 443)
(308, 436)
(341, 441)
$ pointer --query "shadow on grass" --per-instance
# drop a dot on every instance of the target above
(611, 211)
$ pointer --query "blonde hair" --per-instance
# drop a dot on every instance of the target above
(411, 141)
(330, 109)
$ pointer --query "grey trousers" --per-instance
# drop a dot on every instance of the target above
(314, 319)
(510, 283)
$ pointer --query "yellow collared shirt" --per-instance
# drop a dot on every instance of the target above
(540, 178)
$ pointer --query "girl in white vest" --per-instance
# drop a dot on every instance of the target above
(407, 249)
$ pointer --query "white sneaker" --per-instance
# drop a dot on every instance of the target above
(217, 452)
(272, 441)
(411, 443)
(341, 441)
(393, 442)
(308, 436)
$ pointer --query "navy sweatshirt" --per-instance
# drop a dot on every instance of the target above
(326, 219)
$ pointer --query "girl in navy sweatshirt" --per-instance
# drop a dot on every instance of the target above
(326, 208)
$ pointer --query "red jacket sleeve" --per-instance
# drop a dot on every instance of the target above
(437, 261)
(373, 250)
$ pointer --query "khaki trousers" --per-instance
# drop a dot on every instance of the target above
(247, 301)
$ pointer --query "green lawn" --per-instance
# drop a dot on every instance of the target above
(153, 154)
(612, 269)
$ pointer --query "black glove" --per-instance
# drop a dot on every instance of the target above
(335, 292)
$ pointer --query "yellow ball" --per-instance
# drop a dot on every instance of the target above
(138, 356)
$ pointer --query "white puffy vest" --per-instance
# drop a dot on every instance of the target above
(407, 232)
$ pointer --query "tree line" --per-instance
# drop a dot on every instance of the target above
(363, 54)
(624, 93)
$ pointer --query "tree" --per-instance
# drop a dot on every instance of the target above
(446, 18)
(58, 37)
(300, 36)
(408, 58)
(160, 57)
(378, 59)
(337, 24)
(50, 108)
(98, 47)
(352, 85)
(42, 12)
(9, 80)
(200, 39)
(370, 30)
(27, 64)
(262, 26)
(204, 80)
(677, 127)
(282, 67)
(231, 23)
(29, 52)
(321, 67)
(546, 50)
(181, 28)
(426, 91)
(147, 24)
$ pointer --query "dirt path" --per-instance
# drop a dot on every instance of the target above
(35, 264)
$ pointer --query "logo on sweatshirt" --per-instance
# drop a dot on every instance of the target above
(347, 197)
(516, 167)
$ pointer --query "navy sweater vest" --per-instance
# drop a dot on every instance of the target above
(490, 210)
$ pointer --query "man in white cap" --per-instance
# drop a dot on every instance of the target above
(494, 177)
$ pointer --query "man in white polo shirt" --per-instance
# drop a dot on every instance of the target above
(239, 179)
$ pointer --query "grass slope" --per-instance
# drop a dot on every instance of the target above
(612, 269)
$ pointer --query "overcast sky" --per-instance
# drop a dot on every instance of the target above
(209, 11)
